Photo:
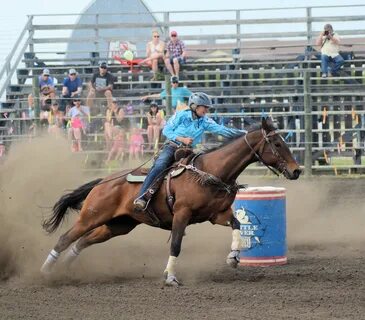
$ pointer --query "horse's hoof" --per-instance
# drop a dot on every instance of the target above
(233, 258)
(171, 281)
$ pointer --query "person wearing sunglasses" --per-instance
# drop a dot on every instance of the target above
(47, 90)
(175, 54)
(154, 53)
(72, 86)
(101, 85)
(179, 95)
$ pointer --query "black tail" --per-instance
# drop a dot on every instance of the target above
(71, 200)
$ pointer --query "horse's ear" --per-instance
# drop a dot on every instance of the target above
(267, 124)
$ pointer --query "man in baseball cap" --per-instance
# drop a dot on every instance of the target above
(71, 87)
(175, 55)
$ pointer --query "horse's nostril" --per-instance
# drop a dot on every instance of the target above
(297, 173)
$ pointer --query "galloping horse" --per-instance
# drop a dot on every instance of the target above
(205, 191)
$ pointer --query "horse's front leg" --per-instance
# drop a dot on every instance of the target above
(180, 221)
(227, 218)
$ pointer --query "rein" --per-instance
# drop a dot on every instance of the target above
(265, 139)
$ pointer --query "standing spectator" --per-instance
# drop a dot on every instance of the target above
(154, 127)
(329, 42)
(79, 117)
(46, 89)
(179, 95)
(101, 85)
(154, 53)
(55, 119)
(72, 86)
(117, 150)
(114, 122)
(175, 55)
(136, 144)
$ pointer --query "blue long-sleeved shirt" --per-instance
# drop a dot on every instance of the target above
(183, 125)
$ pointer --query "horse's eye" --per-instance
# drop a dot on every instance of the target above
(277, 145)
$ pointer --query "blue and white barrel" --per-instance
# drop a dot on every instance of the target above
(261, 212)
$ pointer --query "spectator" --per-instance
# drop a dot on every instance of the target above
(154, 126)
(55, 119)
(47, 91)
(175, 54)
(79, 117)
(72, 86)
(114, 122)
(329, 42)
(136, 144)
(154, 53)
(101, 85)
(117, 150)
(179, 95)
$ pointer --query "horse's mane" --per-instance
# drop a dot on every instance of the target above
(253, 127)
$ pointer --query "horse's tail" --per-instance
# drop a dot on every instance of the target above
(71, 200)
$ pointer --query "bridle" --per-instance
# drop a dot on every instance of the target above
(260, 146)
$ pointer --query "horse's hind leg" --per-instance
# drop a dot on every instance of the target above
(115, 227)
(87, 221)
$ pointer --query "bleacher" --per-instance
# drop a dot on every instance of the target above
(245, 76)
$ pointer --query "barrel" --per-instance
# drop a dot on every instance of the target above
(261, 212)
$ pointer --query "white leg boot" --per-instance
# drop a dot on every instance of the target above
(234, 256)
(71, 256)
(170, 271)
(50, 262)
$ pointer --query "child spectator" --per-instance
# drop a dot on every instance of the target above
(154, 119)
(136, 144)
(117, 150)
(114, 121)
(79, 118)
(55, 119)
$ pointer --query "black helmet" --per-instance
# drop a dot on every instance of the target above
(199, 99)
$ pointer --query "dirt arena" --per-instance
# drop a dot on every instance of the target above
(122, 279)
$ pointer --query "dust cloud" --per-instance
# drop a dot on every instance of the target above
(321, 212)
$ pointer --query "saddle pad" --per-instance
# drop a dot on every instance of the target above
(138, 179)
(135, 179)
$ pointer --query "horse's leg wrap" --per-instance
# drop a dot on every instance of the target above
(50, 262)
(71, 255)
(170, 269)
(233, 257)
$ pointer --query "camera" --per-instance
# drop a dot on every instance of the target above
(326, 32)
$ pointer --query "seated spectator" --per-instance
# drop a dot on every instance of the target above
(55, 119)
(72, 86)
(46, 89)
(329, 42)
(101, 86)
(154, 126)
(136, 142)
(175, 54)
(117, 150)
(79, 118)
(154, 53)
(178, 94)
(114, 122)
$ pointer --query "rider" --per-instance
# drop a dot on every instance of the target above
(185, 128)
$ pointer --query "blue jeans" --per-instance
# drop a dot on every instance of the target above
(337, 61)
(164, 160)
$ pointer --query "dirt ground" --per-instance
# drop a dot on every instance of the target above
(122, 279)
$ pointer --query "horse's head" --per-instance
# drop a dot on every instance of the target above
(271, 149)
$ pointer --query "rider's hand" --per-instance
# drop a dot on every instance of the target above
(186, 141)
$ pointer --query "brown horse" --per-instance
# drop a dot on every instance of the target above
(205, 191)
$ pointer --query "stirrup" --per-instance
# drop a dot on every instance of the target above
(140, 204)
